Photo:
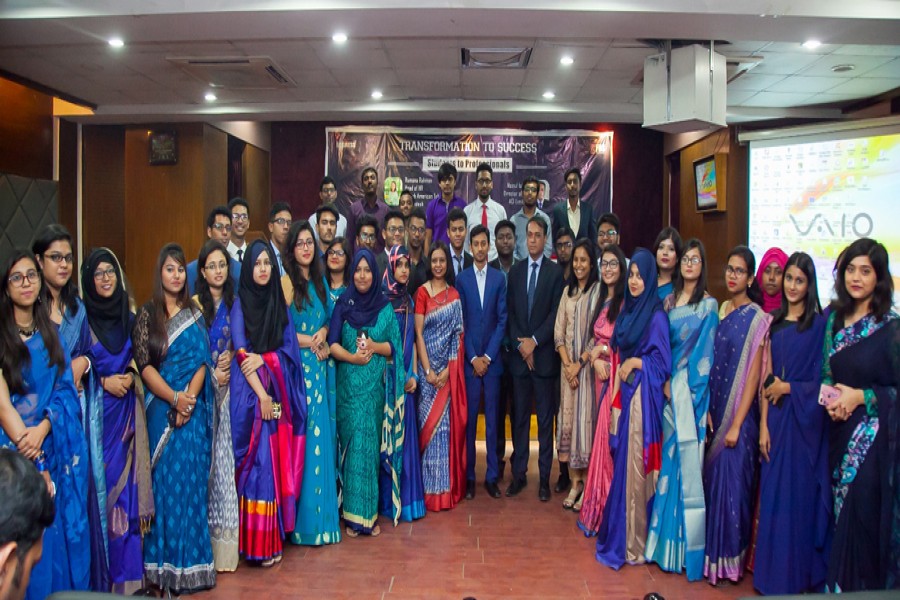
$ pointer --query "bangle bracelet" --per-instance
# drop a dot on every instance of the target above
(41, 463)
(175, 400)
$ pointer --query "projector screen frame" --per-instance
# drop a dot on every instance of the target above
(719, 162)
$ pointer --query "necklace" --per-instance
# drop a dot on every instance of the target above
(434, 294)
(28, 330)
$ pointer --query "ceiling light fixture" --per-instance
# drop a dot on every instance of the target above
(339, 38)
(376, 95)
(210, 97)
(811, 44)
(842, 68)
(116, 42)
(566, 61)
(549, 95)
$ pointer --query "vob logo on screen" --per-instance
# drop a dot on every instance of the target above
(859, 225)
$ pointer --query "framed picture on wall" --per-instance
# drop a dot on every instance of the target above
(710, 176)
(163, 148)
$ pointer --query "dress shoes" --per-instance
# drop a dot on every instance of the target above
(470, 489)
(492, 489)
(562, 484)
(544, 491)
(518, 484)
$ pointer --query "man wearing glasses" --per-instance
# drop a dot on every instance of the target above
(394, 234)
(240, 224)
(415, 243)
(328, 197)
(607, 233)
(369, 206)
(484, 210)
(521, 218)
(279, 224)
(367, 235)
(218, 227)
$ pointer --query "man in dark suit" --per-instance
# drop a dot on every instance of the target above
(482, 293)
(574, 213)
(393, 232)
(218, 227)
(456, 231)
(533, 294)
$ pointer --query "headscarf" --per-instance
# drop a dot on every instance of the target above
(353, 307)
(264, 307)
(772, 255)
(395, 291)
(110, 318)
(635, 316)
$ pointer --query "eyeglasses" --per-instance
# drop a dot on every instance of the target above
(222, 227)
(416, 230)
(484, 181)
(219, 266)
(396, 230)
(564, 245)
(611, 233)
(691, 260)
(329, 191)
(338, 253)
(109, 272)
(58, 258)
(308, 243)
(239, 217)
(739, 271)
(530, 188)
(17, 279)
(367, 237)
(609, 264)
(282, 221)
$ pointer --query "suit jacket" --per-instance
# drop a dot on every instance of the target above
(543, 316)
(418, 274)
(467, 261)
(484, 325)
(234, 270)
(381, 262)
(560, 218)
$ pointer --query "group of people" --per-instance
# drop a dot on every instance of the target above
(297, 389)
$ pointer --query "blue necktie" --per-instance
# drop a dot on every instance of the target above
(532, 284)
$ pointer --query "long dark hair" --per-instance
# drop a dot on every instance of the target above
(753, 291)
(450, 275)
(882, 297)
(204, 295)
(678, 283)
(615, 305)
(159, 339)
(344, 245)
(811, 308)
(670, 233)
(14, 354)
(593, 275)
(68, 295)
(292, 267)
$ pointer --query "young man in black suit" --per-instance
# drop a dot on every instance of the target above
(574, 213)
(505, 242)
(533, 296)
(457, 231)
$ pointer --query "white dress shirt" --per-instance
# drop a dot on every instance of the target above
(233, 250)
(495, 214)
(481, 279)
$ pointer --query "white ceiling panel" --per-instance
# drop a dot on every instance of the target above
(736, 97)
(376, 78)
(890, 70)
(536, 93)
(494, 92)
(314, 78)
(563, 77)
(585, 55)
(800, 84)
(609, 94)
(491, 77)
(775, 100)
(426, 77)
(355, 54)
(866, 86)
(864, 50)
(616, 58)
(862, 64)
(432, 91)
(751, 82)
(784, 63)
(435, 58)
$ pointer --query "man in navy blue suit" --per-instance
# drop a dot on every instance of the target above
(482, 292)
(218, 227)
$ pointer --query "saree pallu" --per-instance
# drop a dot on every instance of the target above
(66, 560)
(412, 490)
(126, 454)
(864, 455)
(318, 516)
(370, 413)
(177, 549)
(600, 469)
(677, 535)
(442, 412)
(795, 488)
(75, 337)
(635, 444)
(223, 503)
(729, 474)
(268, 455)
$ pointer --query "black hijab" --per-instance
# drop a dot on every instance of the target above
(264, 307)
(110, 318)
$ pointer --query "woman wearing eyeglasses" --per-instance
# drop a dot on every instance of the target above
(676, 537)
(730, 465)
(36, 368)
(337, 267)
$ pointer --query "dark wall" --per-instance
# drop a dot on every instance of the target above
(26, 131)
(298, 164)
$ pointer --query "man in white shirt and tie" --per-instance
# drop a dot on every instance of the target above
(240, 224)
(483, 210)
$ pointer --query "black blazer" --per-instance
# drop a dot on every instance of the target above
(543, 316)
(559, 218)
(467, 262)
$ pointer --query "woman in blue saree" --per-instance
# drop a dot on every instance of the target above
(318, 517)
(412, 490)
(795, 491)
(668, 248)
(38, 373)
(678, 522)
(268, 409)
(729, 469)
(862, 360)
(171, 349)
(123, 428)
(641, 337)
(215, 296)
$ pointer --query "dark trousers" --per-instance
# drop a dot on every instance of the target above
(475, 387)
(541, 389)
(504, 407)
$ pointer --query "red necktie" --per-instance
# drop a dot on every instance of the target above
(484, 214)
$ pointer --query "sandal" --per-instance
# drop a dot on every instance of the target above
(376, 531)
(574, 496)
(351, 533)
(265, 564)
(577, 506)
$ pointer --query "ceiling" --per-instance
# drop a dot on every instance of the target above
(411, 53)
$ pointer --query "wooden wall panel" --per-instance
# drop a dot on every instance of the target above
(103, 188)
(215, 170)
(26, 131)
(68, 180)
(256, 179)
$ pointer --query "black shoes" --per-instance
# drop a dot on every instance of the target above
(492, 489)
(518, 484)
(544, 491)
(562, 484)
(470, 489)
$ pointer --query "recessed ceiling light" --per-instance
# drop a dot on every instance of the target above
(339, 38)
(811, 44)
(210, 97)
(842, 68)
(549, 95)
(566, 60)
(377, 94)
(116, 42)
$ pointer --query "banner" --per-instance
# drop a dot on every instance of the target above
(409, 158)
